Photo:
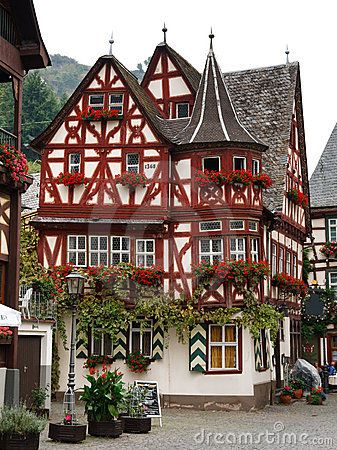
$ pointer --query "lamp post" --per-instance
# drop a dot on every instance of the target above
(75, 285)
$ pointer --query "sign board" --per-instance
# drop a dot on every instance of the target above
(314, 305)
(152, 400)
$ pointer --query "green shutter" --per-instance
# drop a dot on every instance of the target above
(198, 339)
(120, 345)
(257, 354)
(157, 341)
(268, 350)
(81, 349)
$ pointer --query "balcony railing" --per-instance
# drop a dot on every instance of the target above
(34, 306)
(7, 28)
(7, 138)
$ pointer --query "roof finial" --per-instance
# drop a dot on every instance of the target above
(164, 30)
(287, 54)
(111, 41)
(211, 36)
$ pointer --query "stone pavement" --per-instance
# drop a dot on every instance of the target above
(299, 426)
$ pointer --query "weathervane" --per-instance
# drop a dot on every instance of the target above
(211, 36)
(111, 41)
(287, 54)
(164, 30)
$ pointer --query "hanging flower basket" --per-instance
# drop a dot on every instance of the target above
(5, 336)
(91, 114)
(298, 197)
(71, 179)
(329, 250)
(132, 179)
(14, 162)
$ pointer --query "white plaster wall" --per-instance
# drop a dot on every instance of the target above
(156, 88)
(178, 87)
(56, 168)
(184, 168)
(149, 136)
(2, 385)
(60, 135)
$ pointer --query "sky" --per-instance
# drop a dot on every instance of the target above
(248, 34)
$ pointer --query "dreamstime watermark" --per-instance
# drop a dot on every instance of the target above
(279, 436)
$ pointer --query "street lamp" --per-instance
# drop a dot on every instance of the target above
(75, 284)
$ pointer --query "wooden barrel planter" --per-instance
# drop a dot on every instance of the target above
(298, 393)
(67, 433)
(111, 428)
(285, 399)
(14, 441)
(136, 424)
(314, 400)
(5, 341)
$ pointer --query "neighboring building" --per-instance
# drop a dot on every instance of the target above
(176, 122)
(21, 49)
(323, 196)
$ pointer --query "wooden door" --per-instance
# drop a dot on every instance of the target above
(29, 356)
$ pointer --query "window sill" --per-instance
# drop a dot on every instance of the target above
(223, 372)
(103, 119)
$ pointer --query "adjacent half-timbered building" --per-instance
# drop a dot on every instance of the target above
(174, 125)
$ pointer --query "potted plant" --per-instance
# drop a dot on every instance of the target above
(206, 177)
(71, 179)
(262, 180)
(132, 179)
(298, 197)
(204, 272)
(329, 249)
(20, 428)
(286, 395)
(297, 385)
(138, 362)
(240, 178)
(38, 397)
(103, 400)
(135, 420)
(316, 396)
(5, 335)
(92, 114)
(14, 161)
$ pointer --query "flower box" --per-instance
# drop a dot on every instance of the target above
(132, 180)
(298, 197)
(67, 433)
(5, 341)
(112, 428)
(136, 424)
(15, 441)
(289, 285)
(14, 162)
(329, 250)
(71, 179)
(91, 114)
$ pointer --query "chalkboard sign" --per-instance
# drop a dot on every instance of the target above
(152, 400)
(314, 305)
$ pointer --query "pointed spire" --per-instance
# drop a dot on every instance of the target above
(111, 41)
(287, 54)
(211, 37)
(164, 30)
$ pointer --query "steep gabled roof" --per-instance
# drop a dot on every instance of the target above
(264, 100)
(323, 182)
(139, 94)
(213, 117)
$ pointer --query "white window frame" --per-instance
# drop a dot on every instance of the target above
(236, 229)
(211, 254)
(141, 331)
(99, 252)
(273, 258)
(145, 253)
(254, 249)
(119, 106)
(331, 284)
(177, 109)
(255, 166)
(76, 250)
(281, 260)
(295, 266)
(237, 253)
(121, 252)
(96, 105)
(244, 161)
(223, 344)
(288, 263)
(254, 223)
(211, 229)
(332, 224)
(131, 167)
(74, 167)
(102, 344)
(211, 157)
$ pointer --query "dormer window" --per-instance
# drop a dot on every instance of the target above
(255, 166)
(239, 163)
(212, 163)
(182, 110)
(96, 101)
(116, 102)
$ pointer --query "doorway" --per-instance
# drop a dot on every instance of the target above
(29, 357)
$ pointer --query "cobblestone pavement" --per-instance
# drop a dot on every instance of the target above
(298, 426)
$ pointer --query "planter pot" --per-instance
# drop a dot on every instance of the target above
(238, 185)
(136, 424)
(102, 119)
(285, 399)
(15, 441)
(111, 428)
(298, 393)
(5, 341)
(67, 433)
(314, 400)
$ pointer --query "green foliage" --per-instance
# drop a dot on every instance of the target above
(312, 325)
(29, 265)
(38, 397)
(104, 398)
(20, 420)
(55, 365)
(34, 166)
(306, 268)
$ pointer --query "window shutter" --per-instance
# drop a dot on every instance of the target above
(269, 363)
(198, 339)
(257, 354)
(81, 349)
(119, 351)
(157, 341)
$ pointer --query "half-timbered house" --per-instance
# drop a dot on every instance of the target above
(173, 124)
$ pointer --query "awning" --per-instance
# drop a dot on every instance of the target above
(9, 317)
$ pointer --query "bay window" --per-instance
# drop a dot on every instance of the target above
(237, 248)
(145, 252)
(210, 250)
(223, 347)
(120, 249)
(77, 250)
(254, 249)
(98, 250)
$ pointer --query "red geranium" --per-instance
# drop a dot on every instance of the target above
(289, 284)
(91, 113)
(148, 276)
(5, 333)
(70, 179)
(298, 197)
(132, 179)
(263, 180)
(14, 161)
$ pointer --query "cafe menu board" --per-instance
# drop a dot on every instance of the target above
(152, 400)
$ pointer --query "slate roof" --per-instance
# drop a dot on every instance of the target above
(213, 117)
(323, 182)
(30, 198)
